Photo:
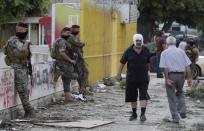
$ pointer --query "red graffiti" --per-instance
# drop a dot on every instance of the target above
(7, 93)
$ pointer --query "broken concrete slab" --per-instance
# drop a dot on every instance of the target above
(78, 124)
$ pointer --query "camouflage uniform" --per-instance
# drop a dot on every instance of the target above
(66, 68)
(18, 61)
(80, 67)
(192, 52)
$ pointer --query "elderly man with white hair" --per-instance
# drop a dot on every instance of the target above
(182, 45)
(137, 59)
(175, 63)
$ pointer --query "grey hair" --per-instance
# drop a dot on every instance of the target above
(171, 40)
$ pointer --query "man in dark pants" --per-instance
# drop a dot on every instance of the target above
(175, 63)
(137, 59)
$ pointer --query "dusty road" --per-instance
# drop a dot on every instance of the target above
(111, 106)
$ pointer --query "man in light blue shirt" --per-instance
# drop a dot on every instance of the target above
(175, 63)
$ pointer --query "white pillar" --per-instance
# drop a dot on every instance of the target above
(29, 31)
(53, 24)
(39, 35)
(43, 35)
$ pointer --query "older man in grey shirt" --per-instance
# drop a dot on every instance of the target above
(175, 63)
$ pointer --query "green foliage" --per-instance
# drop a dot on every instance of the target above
(123, 83)
(187, 12)
(109, 81)
(15, 9)
(197, 93)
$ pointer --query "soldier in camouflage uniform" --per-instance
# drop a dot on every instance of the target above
(64, 62)
(192, 52)
(17, 54)
(81, 66)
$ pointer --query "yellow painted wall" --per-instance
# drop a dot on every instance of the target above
(105, 37)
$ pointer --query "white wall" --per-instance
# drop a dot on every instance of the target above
(42, 85)
(2, 63)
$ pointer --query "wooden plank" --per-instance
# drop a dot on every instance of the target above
(78, 124)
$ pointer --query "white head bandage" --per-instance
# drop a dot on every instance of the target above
(171, 40)
(137, 37)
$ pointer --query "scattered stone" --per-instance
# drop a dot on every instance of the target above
(199, 126)
(42, 108)
(14, 129)
(198, 101)
(91, 100)
(5, 124)
(200, 106)
(101, 88)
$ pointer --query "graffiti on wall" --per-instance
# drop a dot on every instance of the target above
(7, 93)
(42, 80)
(42, 85)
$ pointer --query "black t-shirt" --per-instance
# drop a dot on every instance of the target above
(137, 64)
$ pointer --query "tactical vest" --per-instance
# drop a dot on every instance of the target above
(10, 57)
(6, 52)
(53, 50)
(76, 46)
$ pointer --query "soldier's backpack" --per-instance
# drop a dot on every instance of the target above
(192, 53)
(53, 50)
(7, 51)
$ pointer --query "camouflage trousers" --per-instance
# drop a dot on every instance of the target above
(82, 70)
(67, 73)
(21, 86)
(193, 69)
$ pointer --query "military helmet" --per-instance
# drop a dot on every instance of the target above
(22, 24)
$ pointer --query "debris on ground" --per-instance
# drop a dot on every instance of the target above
(78, 96)
(5, 123)
(199, 126)
(101, 88)
(42, 108)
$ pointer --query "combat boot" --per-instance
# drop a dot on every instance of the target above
(29, 114)
(68, 98)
